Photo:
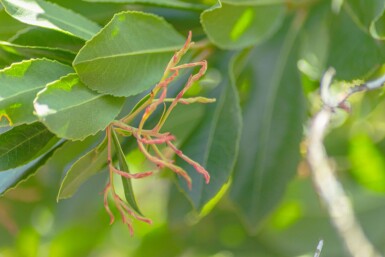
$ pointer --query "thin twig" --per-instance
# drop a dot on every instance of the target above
(319, 248)
(328, 187)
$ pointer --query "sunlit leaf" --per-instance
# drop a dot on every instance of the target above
(192, 5)
(233, 26)
(13, 26)
(23, 144)
(48, 15)
(71, 110)
(20, 83)
(129, 55)
(98, 12)
(368, 164)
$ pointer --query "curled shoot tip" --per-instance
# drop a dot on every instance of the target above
(148, 140)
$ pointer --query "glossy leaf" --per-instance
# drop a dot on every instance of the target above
(192, 5)
(214, 145)
(83, 169)
(48, 15)
(98, 12)
(129, 55)
(273, 113)
(12, 27)
(71, 110)
(20, 83)
(123, 166)
(234, 26)
(27, 52)
(23, 144)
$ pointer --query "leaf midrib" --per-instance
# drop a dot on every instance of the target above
(62, 9)
(265, 135)
(64, 190)
(53, 49)
(75, 105)
(20, 93)
(212, 131)
(142, 52)
(44, 130)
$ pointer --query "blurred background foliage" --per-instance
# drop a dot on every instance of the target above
(32, 223)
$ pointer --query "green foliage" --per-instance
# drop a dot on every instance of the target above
(214, 146)
(47, 15)
(97, 87)
(73, 111)
(21, 82)
(233, 26)
(23, 144)
(272, 113)
(84, 168)
(112, 50)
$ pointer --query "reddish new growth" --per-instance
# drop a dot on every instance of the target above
(150, 139)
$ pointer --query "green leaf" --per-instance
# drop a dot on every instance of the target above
(28, 52)
(98, 12)
(336, 41)
(71, 110)
(367, 14)
(20, 83)
(315, 38)
(192, 5)
(129, 55)
(273, 113)
(48, 15)
(254, 2)
(12, 178)
(214, 145)
(12, 27)
(347, 56)
(367, 163)
(234, 26)
(35, 36)
(83, 169)
(7, 58)
(23, 144)
(123, 166)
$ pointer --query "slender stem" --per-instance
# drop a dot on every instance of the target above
(189, 100)
(189, 83)
(328, 187)
(319, 248)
